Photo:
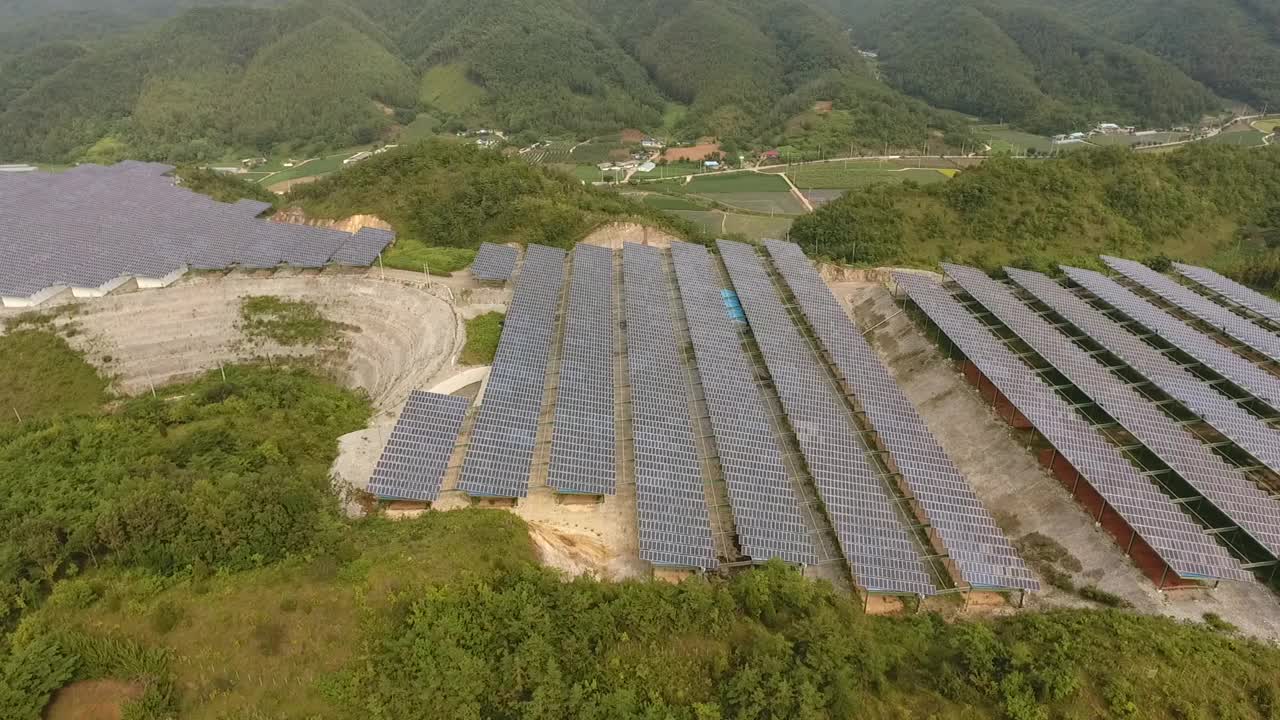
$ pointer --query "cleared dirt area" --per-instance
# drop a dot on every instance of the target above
(92, 700)
(1016, 489)
(396, 337)
(614, 235)
(696, 153)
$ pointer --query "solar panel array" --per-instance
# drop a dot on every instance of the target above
(417, 453)
(1232, 291)
(766, 508)
(583, 450)
(1221, 484)
(494, 263)
(1246, 375)
(881, 552)
(674, 524)
(92, 225)
(1234, 422)
(965, 528)
(1180, 543)
(1201, 307)
(501, 448)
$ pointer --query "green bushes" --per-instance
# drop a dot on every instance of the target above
(225, 474)
(483, 333)
(291, 323)
(1191, 205)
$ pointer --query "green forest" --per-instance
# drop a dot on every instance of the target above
(198, 82)
(1204, 204)
(190, 547)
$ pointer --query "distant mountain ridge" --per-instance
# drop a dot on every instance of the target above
(186, 80)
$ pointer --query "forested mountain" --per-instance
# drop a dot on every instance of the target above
(1023, 63)
(1232, 46)
(204, 79)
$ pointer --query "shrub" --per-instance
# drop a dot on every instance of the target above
(165, 616)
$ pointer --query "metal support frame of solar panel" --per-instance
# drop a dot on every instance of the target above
(583, 443)
(964, 527)
(1222, 485)
(883, 555)
(1244, 374)
(766, 509)
(494, 263)
(1234, 422)
(671, 502)
(1235, 293)
(1198, 306)
(500, 452)
(418, 451)
(1172, 535)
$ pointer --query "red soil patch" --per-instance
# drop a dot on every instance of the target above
(92, 700)
(691, 154)
(632, 136)
(822, 107)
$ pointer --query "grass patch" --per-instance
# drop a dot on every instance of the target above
(1244, 138)
(780, 203)
(292, 323)
(447, 87)
(410, 254)
(669, 202)
(483, 333)
(44, 377)
(1003, 139)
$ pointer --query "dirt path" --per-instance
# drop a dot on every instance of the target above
(796, 192)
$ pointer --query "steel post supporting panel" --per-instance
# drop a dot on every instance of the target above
(583, 447)
(1249, 377)
(671, 502)
(766, 509)
(1172, 535)
(968, 533)
(1224, 486)
(1199, 306)
(500, 453)
(1234, 422)
(882, 554)
(494, 263)
(418, 451)
(1233, 291)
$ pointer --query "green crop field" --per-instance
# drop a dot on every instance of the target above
(1158, 138)
(422, 127)
(756, 227)
(668, 202)
(1003, 139)
(738, 182)
(783, 203)
(448, 88)
(1267, 125)
(597, 150)
(1248, 138)
(836, 177)
(555, 152)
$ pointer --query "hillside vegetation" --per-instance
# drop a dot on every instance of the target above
(1023, 63)
(1207, 204)
(441, 193)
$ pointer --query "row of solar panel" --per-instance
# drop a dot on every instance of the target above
(674, 520)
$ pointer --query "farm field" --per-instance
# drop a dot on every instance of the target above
(1159, 138)
(665, 202)
(1246, 138)
(1003, 139)
(781, 203)
(754, 227)
(600, 149)
(837, 177)
(556, 152)
(1267, 125)
(738, 182)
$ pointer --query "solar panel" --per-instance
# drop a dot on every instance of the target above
(1237, 424)
(1201, 307)
(1224, 486)
(671, 505)
(1233, 291)
(766, 509)
(965, 528)
(1254, 380)
(417, 453)
(92, 225)
(882, 554)
(1179, 542)
(494, 263)
(500, 455)
(583, 452)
